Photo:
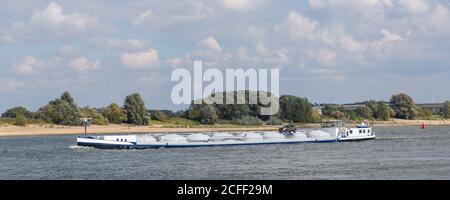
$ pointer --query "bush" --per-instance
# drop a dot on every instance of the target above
(425, 113)
(160, 116)
(114, 113)
(6, 121)
(224, 121)
(20, 120)
(274, 121)
(13, 112)
(203, 113)
(248, 121)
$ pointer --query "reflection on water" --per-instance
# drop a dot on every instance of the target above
(397, 153)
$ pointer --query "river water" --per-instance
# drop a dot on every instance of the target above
(397, 153)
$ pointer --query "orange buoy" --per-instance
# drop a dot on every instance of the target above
(424, 125)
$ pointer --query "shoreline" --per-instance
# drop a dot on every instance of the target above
(42, 130)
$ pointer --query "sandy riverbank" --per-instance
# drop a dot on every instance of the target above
(29, 130)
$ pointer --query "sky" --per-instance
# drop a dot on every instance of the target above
(330, 51)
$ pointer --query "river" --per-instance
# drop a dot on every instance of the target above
(398, 153)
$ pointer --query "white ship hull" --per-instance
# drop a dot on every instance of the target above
(213, 139)
(98, 143)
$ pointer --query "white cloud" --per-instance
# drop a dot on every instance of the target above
(353, 4)
(243, 5)
(239, 5)
(27, 66)
(53, 18)
(82, 64)
(211, 43)
(208, 50)
(173, 14)
(262, 56)
(300, 27)
(303, 29)
(390, 37)
(143, 17)
(51, 21)
(415, 6)
(387, 41)
(177, 62)
(141, 60)
(440, 18)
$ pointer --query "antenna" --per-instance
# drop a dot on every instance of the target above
(86, 122)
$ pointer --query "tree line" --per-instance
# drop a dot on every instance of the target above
(400, 106)
(64, 111)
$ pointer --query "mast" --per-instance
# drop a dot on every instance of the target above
(86, 122)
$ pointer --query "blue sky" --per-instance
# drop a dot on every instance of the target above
(328, 50)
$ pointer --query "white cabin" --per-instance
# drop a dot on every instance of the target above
(337, 127)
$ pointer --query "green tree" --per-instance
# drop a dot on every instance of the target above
(338, 114)
(328, 109)
(61, 111)
(237, 110)
(382, 111)
(404, 106)
(97, 118)
(203, 113)
(20, 120)
(364, 112)
(135, 109)
(372, 105)
(445, 110)
(296, 109)
(114, 113)
(234, 110)
(13, 112)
